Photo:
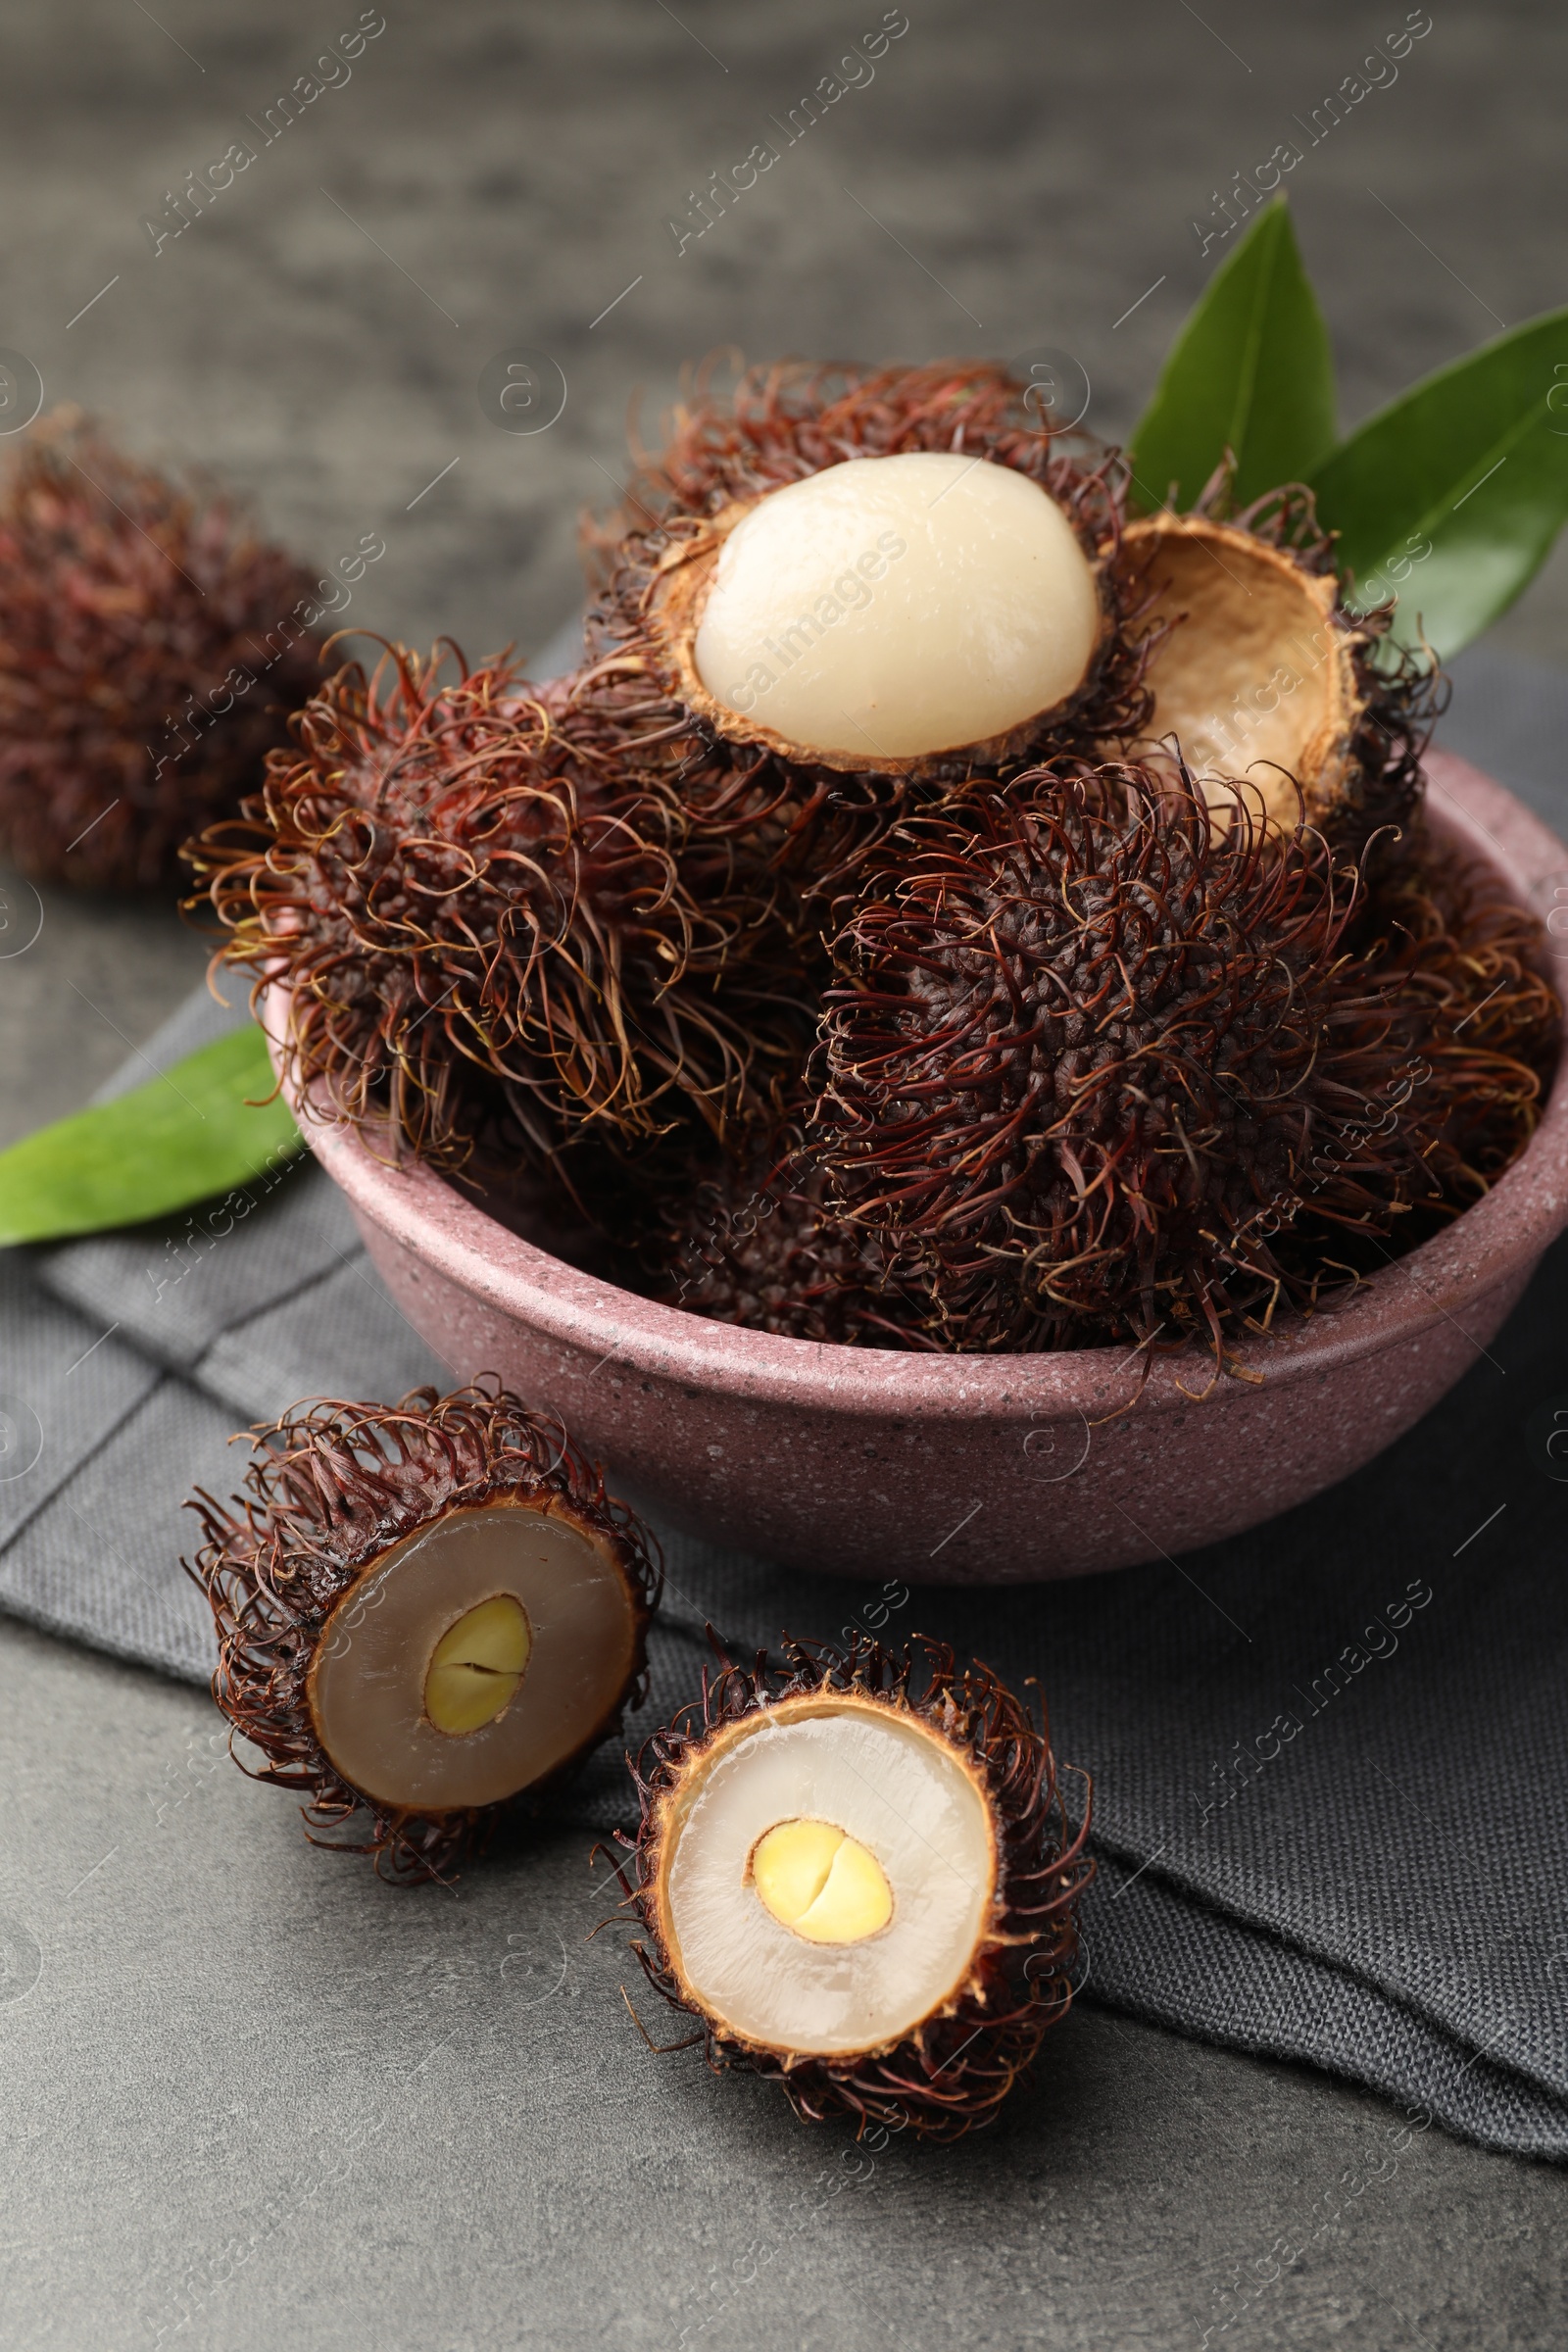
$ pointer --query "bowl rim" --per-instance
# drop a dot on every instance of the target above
(1511, 1225)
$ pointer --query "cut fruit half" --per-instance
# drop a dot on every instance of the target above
(409, 1720)
(423, 1612)
(857, 1876)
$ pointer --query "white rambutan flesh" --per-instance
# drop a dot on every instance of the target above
(899, 606)
(830, 1875)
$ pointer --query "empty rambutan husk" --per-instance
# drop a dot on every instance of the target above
(856, 1875)
(1262, 674)
(788, 426)
(150, 648)
(426, 1613)
(479, 909)
(1096, 1046)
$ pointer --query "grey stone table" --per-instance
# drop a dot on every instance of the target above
(249, 2097)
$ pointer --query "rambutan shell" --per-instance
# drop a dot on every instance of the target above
(1255, 679)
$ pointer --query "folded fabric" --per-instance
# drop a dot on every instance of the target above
(1330, 1756)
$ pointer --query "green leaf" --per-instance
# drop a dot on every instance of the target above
(178, 1138)
(1453, 494)
(1250, 371)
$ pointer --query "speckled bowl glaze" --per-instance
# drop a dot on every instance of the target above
(970, 1469)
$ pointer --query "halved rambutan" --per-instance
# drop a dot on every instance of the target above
(1095, 1045)
(857, 1876)
(1262, 674)
(150, 650)
(424, 1611)
(473, 903)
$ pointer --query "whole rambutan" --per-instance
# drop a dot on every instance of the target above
(477, 910)
(855, 1876)
(752, 1242)
(1262, 672)
(424, 1611)
(150, 650)
(1095, 1045)
(1468, 962)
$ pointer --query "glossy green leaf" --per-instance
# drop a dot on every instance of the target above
(202, 1128)
(1450, 497)
(1250, 371)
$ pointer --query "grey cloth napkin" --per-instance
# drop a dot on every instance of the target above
(1331, 1756)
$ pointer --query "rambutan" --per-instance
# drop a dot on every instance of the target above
(477, 910)
(1468, 964)
(1120, 1046)
(1097, 1043)
(959, 607)
(855, 1876)
(150, 650)
(425, 1612)
(754, 1243)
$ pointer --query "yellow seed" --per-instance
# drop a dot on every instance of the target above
(790, 1864)
(821, 1883)
(477, 1665)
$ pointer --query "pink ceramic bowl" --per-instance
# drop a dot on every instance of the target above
(970, 1469)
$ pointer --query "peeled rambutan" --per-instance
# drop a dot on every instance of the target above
(476, 908)
(424, 1611)
(150, 650)
(1262, 674)
(855, 1876)
(1093, 1046)
(854, 587)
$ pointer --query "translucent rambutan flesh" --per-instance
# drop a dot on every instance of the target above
(856, 1875)
(426, 1613)
(479, 909)
(1263, 674)
(150, 651)
(885, 612)
(1095, 1047)
(782, 427)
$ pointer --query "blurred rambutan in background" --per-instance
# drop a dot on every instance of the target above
(151, 648)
